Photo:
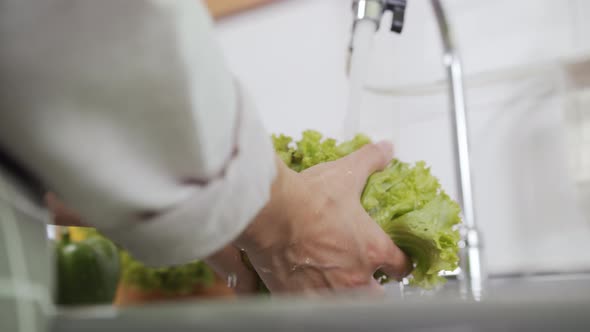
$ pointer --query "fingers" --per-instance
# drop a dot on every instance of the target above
(398, 265)
(390, 259)
(367, 160)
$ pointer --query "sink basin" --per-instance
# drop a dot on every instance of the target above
(542, 303)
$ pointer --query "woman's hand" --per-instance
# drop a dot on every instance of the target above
(312, 235)
(315, 235)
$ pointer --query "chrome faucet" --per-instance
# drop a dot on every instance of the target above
(471, 272)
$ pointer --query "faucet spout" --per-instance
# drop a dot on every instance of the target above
(373, 10)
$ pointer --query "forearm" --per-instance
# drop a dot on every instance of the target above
(261, 230)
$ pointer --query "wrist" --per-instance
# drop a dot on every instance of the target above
(263, 230)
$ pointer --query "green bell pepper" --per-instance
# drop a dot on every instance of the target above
(87, 271)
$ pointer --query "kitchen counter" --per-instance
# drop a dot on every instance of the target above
(521, 304)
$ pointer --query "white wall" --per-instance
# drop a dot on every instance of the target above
(291, 55)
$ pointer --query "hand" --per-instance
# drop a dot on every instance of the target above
(314, 234)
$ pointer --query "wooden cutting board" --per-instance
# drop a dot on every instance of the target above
(221, 8)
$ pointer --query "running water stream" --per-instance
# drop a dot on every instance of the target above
(362, 42)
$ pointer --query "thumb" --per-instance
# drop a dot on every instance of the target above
(368, 160)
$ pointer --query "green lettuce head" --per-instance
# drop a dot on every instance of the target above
(406, 201)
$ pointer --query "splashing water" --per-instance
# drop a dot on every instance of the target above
(362, 42)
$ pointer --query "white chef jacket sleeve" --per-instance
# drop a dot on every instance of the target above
(127, 111)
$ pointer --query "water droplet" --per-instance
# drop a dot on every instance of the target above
(265, 270)
(402, 288)
(294, 268)
(232, 280)
(382, 278)
(307, 261)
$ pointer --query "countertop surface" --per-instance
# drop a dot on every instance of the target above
(534, 304)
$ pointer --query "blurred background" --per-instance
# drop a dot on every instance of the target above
(527, 70)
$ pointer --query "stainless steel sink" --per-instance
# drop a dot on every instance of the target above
(541, 303)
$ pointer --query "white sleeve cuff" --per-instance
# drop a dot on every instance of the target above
(217, 212)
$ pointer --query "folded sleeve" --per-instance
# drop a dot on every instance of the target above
(127, 111)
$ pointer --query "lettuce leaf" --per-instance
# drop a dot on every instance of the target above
(180, 279)
(421, 219)
(311, 150)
